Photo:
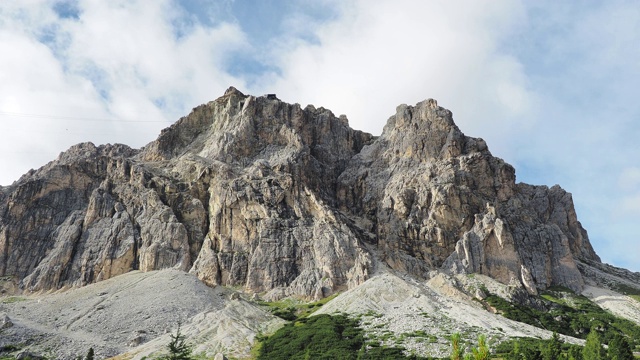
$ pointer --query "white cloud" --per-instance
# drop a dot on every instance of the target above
(380, 54)
(121, 60)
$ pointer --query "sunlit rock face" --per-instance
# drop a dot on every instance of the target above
(288, 201)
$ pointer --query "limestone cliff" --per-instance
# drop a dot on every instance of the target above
(253, 192)
(435, 198)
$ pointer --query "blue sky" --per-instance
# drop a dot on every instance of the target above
(552, 86)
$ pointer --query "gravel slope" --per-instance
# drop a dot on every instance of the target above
(131, 316)
(117, 315)
(396, 309)
(620, 305)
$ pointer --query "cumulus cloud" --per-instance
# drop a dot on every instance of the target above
(116, 71)
(377, 55)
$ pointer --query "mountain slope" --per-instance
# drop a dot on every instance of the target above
(117, 315)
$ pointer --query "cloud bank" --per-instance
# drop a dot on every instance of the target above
(106, 72)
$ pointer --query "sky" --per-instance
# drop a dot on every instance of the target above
(551, 86)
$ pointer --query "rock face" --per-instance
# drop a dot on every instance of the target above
(434, 197)
(253, 192)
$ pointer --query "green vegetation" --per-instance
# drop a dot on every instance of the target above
(537, 349)
(481, 352)
(593, 347)
(457, 352)
(12, 299)
(324, 337)
(178, 348)
(290, 309)
(555, 348)
(89, 354)
(625, 289)
(7, 349)
(569, 314)
(619, 349)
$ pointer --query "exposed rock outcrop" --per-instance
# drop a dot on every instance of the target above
(437, 198)
(253, 192)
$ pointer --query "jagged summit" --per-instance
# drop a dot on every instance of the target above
(288, 201)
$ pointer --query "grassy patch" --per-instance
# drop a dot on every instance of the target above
(373, 314)
(12, 299)
(625, 289)
(290, 309)
(416, 334)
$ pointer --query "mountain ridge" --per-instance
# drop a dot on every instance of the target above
(254, 192)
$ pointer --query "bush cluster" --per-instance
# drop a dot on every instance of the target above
(324, 337)
(577, 320)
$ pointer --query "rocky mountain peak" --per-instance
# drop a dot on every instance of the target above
(426, 132)
(282, 200)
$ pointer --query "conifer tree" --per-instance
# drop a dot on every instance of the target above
(515, 353)
(575, 353)
(482, 351)
(457, 353)
(593, 348)
(619, 348)
(89, 354)
(178, 347)
(553, 349)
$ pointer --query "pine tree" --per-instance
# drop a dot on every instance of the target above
(553, 349)
(593, 349)
(619, 348)
(89, 354)
(515, 353)
(575, 353)
(531, 353)
(457, 352)
(178, 347)
(482, 351)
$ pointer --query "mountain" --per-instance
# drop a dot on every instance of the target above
(270, 198)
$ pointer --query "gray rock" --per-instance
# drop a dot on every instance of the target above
(27, 355)
(5, 322)
(436, 198)
(136, 340)
(220, 356)
(253, 192)
(479, 294)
